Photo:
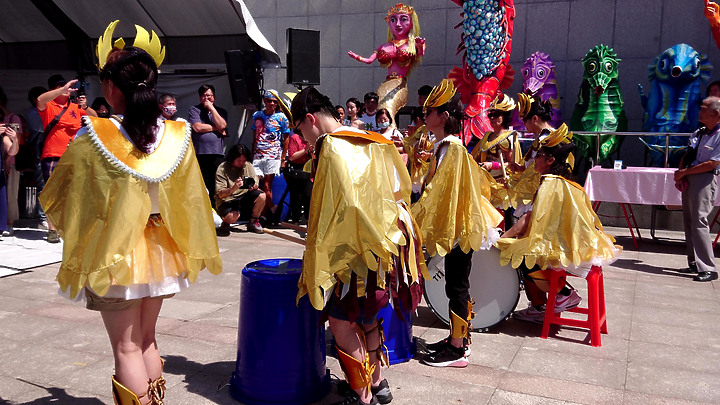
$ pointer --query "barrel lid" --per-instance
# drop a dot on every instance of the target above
(275, 266)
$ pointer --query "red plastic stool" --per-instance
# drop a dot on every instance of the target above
(596, 321)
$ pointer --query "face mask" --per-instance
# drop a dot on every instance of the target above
(383, 125)
(170, 110)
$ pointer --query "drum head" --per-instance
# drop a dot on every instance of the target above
(495, 289)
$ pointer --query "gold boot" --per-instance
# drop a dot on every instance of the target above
(458, 326)
(124, 396)
(357, 373)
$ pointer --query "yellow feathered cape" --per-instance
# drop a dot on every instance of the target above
(353, 225)
(453, 207)
(97, 199)
(564, 232)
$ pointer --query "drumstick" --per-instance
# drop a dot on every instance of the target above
(502, 163)
(294, 227)
(283, 236)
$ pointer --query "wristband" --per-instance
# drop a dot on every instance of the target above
(495, 166)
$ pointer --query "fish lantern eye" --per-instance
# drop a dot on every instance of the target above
(541, 73)
(526, 72)
(608, 67)
(663, 65)
(592, 67)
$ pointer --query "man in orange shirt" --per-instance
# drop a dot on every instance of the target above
(64, 119)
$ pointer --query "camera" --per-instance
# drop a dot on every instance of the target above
(248, 182)
(14, 126)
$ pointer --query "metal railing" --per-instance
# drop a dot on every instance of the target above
(667, 135)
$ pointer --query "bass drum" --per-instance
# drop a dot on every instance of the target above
(495, 289)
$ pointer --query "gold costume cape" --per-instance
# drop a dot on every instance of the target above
(453, 208)
(353, 225)
(564, 232)
(523, 186)
(97, 198)
(417, 142)
(484, 151)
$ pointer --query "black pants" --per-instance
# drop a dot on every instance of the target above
(208, 167)
(457, 280)
(300, 188)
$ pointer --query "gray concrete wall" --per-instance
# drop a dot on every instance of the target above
(637, 29)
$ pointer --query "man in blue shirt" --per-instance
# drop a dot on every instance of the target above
(697, 179)
(209, 124)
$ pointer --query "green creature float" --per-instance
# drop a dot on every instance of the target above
(600, 105)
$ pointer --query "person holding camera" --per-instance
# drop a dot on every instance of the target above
(9, 146)
(61, 119)
(236, 185)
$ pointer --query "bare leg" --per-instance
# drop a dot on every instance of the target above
(150, 309)
(373, 341)
(349, 340)
(267, 182)
(259, 205)
(231, 217)
(124, 331)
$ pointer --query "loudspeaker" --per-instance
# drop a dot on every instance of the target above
(303, 56)
(242, 70)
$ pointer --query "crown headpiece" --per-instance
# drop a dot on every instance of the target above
(558, 136)
(524, 103)
(284, 108)
(503, 103)
(143, 40)
(440, 94)
(399, 8)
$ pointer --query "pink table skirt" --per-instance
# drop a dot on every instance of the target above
(634, 185)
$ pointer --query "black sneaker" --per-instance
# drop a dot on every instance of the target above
(382, 391)
(437, 346)
(353, 399)
(449, 356)
(223, 230)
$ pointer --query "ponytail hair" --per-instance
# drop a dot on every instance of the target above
(135, 73)
(541, 108)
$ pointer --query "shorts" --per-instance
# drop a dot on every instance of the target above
(244, 203)
(266, 166)
(98, 303)
(335, 310)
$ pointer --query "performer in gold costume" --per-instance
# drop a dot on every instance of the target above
(497, 150)
(560, 231)
(454, 218)
(363, 247)
(419, 148)
(536, 115)
(114, 198)
(402, 51)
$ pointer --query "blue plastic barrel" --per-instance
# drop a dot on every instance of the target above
(278, 188)
(399, 339)
(281, 346)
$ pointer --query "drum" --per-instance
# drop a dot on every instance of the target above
(495, 289)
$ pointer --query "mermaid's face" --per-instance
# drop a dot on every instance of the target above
(400, 25)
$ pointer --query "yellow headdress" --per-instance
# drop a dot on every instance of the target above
(399, 8)
(143, 40)
(524, 103)
(440, 94)
(504, 103)
(284, 107)
(558, 136)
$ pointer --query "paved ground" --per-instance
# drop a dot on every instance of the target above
(663, 346)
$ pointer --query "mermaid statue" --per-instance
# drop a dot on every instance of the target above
(400, 54)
